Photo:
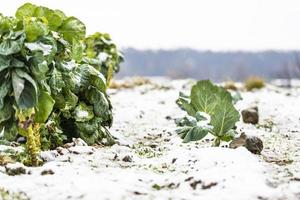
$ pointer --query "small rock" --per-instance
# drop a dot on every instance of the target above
(127, 159)
(254, 144)
(250, 115)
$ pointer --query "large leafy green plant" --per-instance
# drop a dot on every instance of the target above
(211, 110)
(48, 88)
(103, 54)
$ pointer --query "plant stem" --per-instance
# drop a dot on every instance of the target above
(217, 142)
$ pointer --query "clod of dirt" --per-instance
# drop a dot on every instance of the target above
(250, 115)
(47, 172)
(238, 142)
(254, 144)
(209, 185)
(195, 183)
(14, 171)
(127, 159)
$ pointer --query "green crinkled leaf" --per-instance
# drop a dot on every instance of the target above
(39, 70)
(6, 112)
(88, 75)
(13, 44)
(35, 29)
(56, 81)
(83, 113)
(6, 24)
(39, 46)
(4, 62)
(77, 50)
(44, 107)
(70, 100)
(26, 10)
(54, 17)
(25, 89)
(5, 88)
(10, 131)
(72, 28)
(189, 134)
(224, 117)
(203, 97)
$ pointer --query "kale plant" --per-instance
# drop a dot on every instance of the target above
(211, 110)
(103, 54)
(49, 89)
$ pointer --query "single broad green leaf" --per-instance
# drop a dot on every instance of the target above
(5, 89)
(6, 111)
(83, 113)
(66, 66)
(6, 24)
(18, 85)
(15, 63)
(26, 10)
(203, 96)
(28, 78)
(72, 28)
(56, 81)
(39, 46)
(189, 134)
(224, 117)
(184, 103)
(88, 128)
(70, 100)
(4, 62)
(88, 75)
(44, 107)
(35, 29)
(54, 18)
(12, 44)
(39, 70)
(10, 130)
(28, 98)
(25, 89)
(101, 104)
(77, 50)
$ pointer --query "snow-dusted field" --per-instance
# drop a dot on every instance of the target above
(151, 162)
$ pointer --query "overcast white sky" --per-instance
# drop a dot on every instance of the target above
(201, 24)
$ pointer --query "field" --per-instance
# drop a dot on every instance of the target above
(150, 161)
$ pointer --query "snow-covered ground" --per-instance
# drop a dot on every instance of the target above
(151, 162)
